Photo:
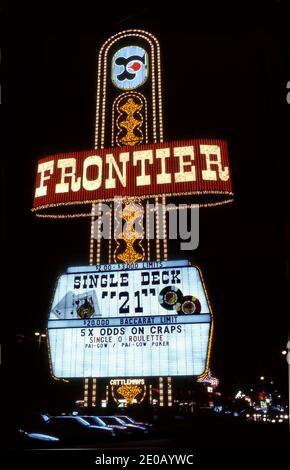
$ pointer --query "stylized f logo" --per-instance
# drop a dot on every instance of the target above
(132, 65)
(129, 67)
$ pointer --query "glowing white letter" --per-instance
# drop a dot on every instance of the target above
(92, 185)
(110, 181)
(163, 177)
(209, 174)
(42, 168)
(63, 187)
(182, 175)
(142, 156)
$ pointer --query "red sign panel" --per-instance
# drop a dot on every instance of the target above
(191, 167)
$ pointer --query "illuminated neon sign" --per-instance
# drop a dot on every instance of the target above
(173, 168)
(130, 323)
(130, 67)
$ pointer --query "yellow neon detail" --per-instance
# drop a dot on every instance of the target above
(206, 370)
(130, 123)
(129, 392)
(131, 213)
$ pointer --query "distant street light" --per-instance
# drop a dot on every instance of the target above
(40, 336)
(262, 377)
(284, 352)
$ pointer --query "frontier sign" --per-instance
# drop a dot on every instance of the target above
(174, 168)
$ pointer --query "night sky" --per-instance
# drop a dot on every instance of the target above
(224, 76)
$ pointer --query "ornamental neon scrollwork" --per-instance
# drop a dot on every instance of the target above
(132, 214)
(131, 123)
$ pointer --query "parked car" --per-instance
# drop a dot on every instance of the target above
(120, 430)
(76, 430)
(95, 421)
(33, 439)
(33, 421)
(135, 429)
(129, 420)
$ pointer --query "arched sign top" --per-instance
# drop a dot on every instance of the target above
(127, 61)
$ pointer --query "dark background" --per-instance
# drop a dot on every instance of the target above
(225, 70)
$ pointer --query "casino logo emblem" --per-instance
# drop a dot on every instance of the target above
(170, 297)
(189, 305)
(129, 67)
